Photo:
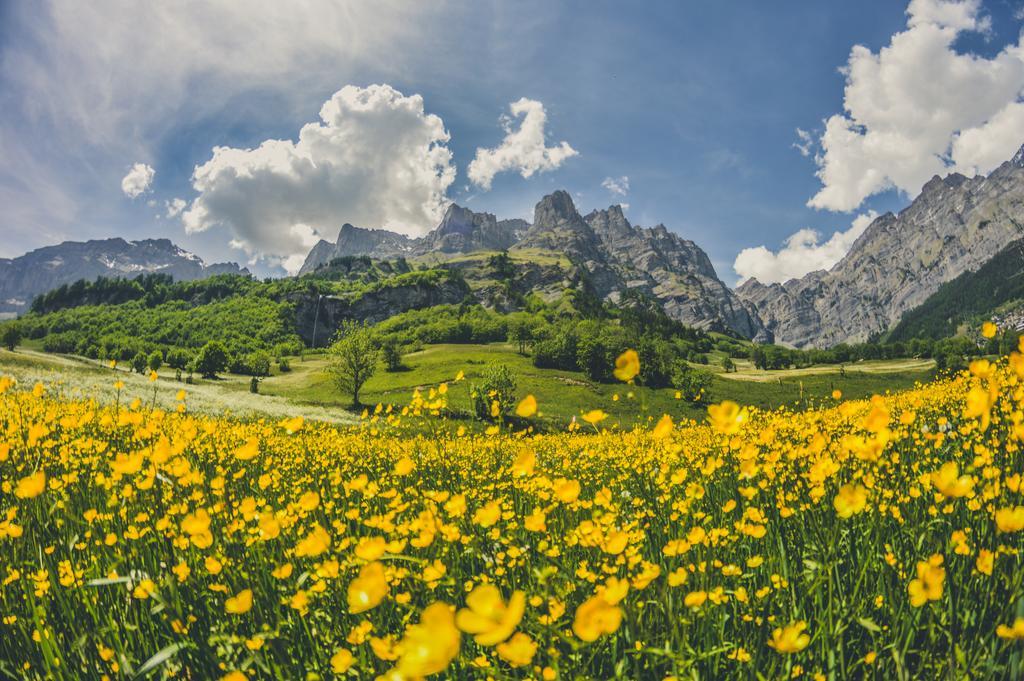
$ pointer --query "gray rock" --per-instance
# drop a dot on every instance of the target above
(955, 225)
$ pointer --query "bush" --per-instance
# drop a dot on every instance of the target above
(139, 362)
(391, 352)
(10, 336)
(694, 385)
(212, 359)
(155, 361)
(497, 387)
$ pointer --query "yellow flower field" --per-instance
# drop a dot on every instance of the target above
(876, 539)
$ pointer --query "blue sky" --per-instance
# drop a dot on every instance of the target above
(697, 103)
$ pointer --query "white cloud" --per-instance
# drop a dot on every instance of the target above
(618, 186)
(804, 143)
(138, 180)
(376, 160)
(522, 150)
(174, 207)
(907, 106)
(801, 253)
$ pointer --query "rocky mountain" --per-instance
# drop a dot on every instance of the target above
(561, 249)
(955, 225)
(36, 272)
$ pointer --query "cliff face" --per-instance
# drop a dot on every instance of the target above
(603, 247)
(25, 277)
(955, 225)
(371, 307)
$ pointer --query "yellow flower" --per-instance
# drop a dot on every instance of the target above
(240, 604)
(1012, 633)
(31, 485)
(430, 646)
(594, 416)
(518, 651)
(282, 571)
(949, 481)
(695, 599)
(293, 425)
(371, 548)
(596, 617)
(627, 366)
(342, 661)
(567, 491)
(850, 500)
(663, 428)
(790, 638)
(197, 527)
(404, 466)
(487, 616)
(144, 589)
(985, 562)
(368, 589)
(728, 417)
(989, 330)
(314, 543)
(250, 450)
(527, 407)
(1010, 519)
(234, 676)
(928, 585)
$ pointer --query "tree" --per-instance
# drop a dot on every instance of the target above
(259, 364)
(10, 336)
(353, 358)
(693, 385)
(156, 360)
(139, 362)
(495, 394)
(177, 358)
(212, 358)
(392, 353)
(521, 333)
(728, 365)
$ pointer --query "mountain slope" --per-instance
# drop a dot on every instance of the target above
(38, 271)
(955, 225)
(562, 249)
(971, 296)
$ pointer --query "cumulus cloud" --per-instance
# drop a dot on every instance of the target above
(138, 180)
(801, 253)
(375, 159)
(619, 186)
(174, 207)
(522, 149)
(918, 108)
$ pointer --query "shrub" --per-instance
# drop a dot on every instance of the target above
(497, 387)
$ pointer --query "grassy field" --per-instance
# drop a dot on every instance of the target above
(77, 378)
(872, 539)
(565, 394)
(562, 395)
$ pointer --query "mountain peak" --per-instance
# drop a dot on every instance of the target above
(555, 208)
(1018, 158)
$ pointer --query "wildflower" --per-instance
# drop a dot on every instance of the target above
(989, 330)
(527, 407)
(430, 646)
(1011, 633)
(663, 428)
(239, 604)
(197, 527)
(949, 481)
(1010, 519)
(985, 562)
(594, 417)
(728, 417)
(928, 584)
(31, 486)
(487, 616)
(596, 617)
(850, 500)
(518, 651)
(314, 543)
(368, 589)
(790, 638)
(342, 661)
(695, 599)
(250, 450)
(627, 366)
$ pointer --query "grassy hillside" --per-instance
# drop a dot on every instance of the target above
(565, 394)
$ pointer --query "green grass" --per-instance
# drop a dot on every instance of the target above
(564, 394)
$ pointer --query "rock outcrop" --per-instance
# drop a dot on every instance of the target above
(955, 225)
(27, 276)
(602, 248)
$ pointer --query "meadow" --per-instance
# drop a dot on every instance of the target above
(874, 538)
